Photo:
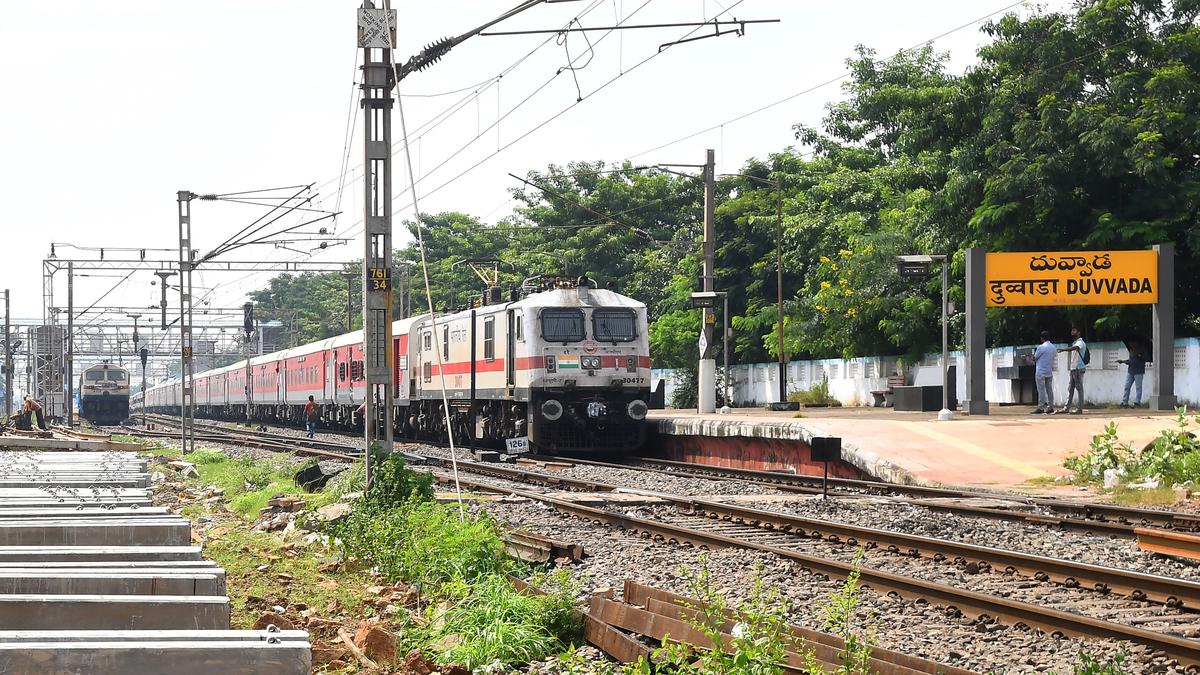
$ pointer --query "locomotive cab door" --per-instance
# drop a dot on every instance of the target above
(510, 355)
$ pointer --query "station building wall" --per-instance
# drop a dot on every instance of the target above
(851, 381)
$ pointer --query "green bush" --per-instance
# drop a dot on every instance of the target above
(393, 483)
(816, 395)
(489, 622)
(1173, 457)
(423, 542)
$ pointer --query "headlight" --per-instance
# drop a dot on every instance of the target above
(590, 362)
(552, 410)
(637, 409)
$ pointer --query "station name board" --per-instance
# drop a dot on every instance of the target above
(1071, 278)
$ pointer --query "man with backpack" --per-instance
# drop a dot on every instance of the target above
(311, 415)
(1078, 356)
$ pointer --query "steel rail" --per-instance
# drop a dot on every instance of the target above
(1089, 510)
(1172, 592)
(1176, 593)
(974, 605)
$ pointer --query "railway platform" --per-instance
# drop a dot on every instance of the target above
(1007, 448)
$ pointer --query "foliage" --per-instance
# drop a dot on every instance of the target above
(1074, 131)
(423, 542)
(247, 483)
(1086, 664)
(816, 395)
(1173, 457)
(393, 483)
(758, 643)
(840, 617)
(488, 622)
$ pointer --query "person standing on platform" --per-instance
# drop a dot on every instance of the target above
(1077, 360)
(311, 415)
(1134, 373)
(1043, 375)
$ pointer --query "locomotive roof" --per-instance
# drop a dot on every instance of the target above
(108, 366)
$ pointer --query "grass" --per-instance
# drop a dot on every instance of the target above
(249, 483)
(241, 551)
(1163, 495)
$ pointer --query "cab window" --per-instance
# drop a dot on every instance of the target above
(95, 376)
(562, 325)
(614, 325)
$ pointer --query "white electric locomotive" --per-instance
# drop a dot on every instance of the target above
(559, 366)
(104, 394)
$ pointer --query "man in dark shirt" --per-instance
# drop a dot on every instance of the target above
(1135, 372)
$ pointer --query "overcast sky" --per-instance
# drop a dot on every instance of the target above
(111, 107)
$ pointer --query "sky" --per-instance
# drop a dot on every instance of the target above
(110, 108)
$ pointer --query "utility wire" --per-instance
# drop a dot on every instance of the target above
(821, 85)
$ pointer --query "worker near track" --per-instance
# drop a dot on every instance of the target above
(34, 410)
(1135, 372)
(1077, 360)
(1043, 375)
(311, 415)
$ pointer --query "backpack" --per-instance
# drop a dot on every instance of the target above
(1086, 356)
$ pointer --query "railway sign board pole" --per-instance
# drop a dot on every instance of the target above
(706, 395)
(377, 38)
(1072, 278)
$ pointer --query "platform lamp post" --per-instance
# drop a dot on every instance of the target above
(918, 266)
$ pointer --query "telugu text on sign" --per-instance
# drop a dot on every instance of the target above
(1072, 278)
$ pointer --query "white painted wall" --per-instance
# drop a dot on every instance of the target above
(851, 381)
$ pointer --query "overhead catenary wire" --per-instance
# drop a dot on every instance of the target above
(820, 85)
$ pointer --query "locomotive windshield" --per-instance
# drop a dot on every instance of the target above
(614, 325)
(95, 376)
(562, 325)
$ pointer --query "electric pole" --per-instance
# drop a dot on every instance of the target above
(8, 357)
(163, 303)
(70, 395)
(376, 37)
(248, 329)
(349, 277)
(706, 393)
(140, 352)
(183, 199)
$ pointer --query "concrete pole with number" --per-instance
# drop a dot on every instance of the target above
(706, 379)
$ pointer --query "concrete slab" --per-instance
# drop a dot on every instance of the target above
(67, 510)
(136, 636)
(142, 582)
(113, 612)
(153, 658)
(70, 554)
(1003, 449)
(96, 532)
(19, 443)
(130, 481)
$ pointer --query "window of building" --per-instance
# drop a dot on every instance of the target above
(489, 339)
(562, 325)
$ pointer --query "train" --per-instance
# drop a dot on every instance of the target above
(104, 394)
(558, 365)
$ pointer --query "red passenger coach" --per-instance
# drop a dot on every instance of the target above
(558, 365)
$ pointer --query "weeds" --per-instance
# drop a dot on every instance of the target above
(488, 622)
(840, 615)
(1172, 458)
(816, 395)
(1086, 664)
(247, 483)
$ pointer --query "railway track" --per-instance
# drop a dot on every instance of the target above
(1054, 595)
(1091, 517)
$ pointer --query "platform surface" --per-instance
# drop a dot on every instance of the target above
(1006, 448)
